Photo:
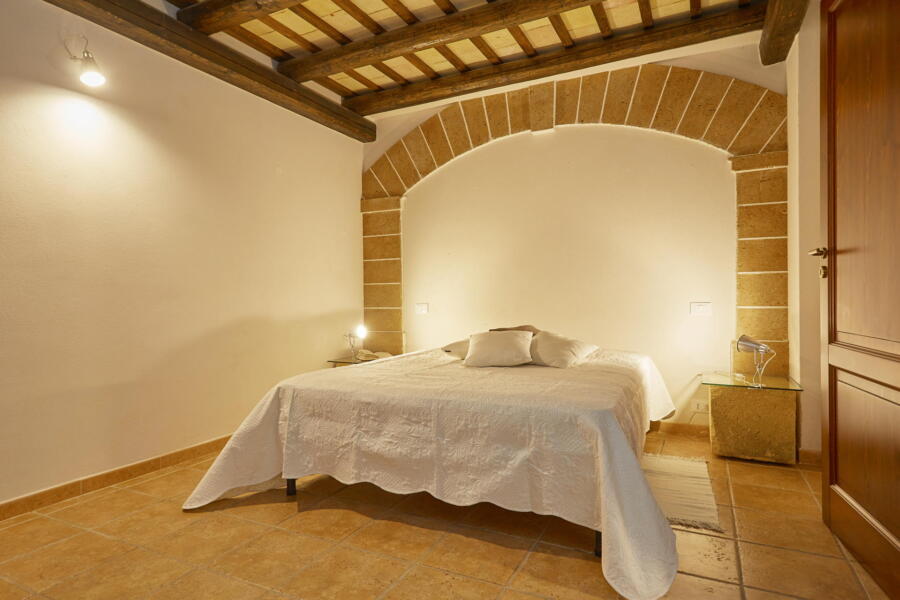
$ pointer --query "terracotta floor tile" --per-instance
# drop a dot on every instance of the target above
(813, 479)
(129, 575)
(768, 476)
(332, 519)
(204, 540)
(798, 573)
(491, 516)
(162, 518)
(653, 445)
(9, 591)
(753, 594)
(795, 533)
(179, 483)
(872, 588)
(686, 446)
(31, 535)
(29, 516)
(425, 505)
(51, 564)
(441, 586)
(54, 508)
(367, 493)
(347, 573)
(104, 508)
(721, 490)
(205, 585)
(726, 522)
(402, 536)
(319, 485)
(706, 556)
(717, 467)
(272, 559)
(270, 507)
(688, 587)
(477, 553)
(798, 504)
(145, 477)
(517, 595)
(563, 533)
(563, 574)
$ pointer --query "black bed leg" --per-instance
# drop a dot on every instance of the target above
(291, 487)
(598, 543)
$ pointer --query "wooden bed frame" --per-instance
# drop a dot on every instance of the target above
(598, 536)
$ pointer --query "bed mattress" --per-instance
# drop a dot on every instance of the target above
(562, 442)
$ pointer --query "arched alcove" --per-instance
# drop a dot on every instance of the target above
(743, 120)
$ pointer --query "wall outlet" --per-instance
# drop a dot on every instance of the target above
(421, 308)
(701, 309)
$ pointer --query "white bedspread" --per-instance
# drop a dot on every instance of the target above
(562, 442)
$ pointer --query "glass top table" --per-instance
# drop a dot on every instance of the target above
(768, 382)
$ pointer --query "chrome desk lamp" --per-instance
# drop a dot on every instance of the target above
(747, 344)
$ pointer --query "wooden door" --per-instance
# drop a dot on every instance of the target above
(861, 294)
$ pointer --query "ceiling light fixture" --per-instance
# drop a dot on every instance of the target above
(90, 72)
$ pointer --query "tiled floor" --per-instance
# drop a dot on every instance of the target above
(132, 541)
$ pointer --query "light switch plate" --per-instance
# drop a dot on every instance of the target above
(421, 308)
(701, 309)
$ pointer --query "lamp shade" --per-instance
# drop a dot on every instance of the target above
(745, 343)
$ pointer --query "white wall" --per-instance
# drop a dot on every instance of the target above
(171, 247)
(604, 233)
(804, 231)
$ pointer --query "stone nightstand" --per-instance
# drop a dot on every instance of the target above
(759, 423)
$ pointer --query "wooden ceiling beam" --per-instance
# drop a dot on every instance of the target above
(152, 28)
(783, 20)
(646, 14)
(601, 18)
(696, 9)
(426, 34)
(662, 37)
(210, 16)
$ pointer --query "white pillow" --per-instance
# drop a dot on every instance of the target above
(553, 350)
(499, 349)
(457, 349)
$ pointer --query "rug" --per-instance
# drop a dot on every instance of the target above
(683, 490)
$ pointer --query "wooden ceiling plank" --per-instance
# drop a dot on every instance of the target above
(330, 84)
(665, 36)
(452, 58)
(696, 9)
(783, 20)
(320, 24)
(368, 83)
(602, 19)
(289, 33)
(150, 27)
(391, 73)
(211, 16)
(369, 23)
(430, 34)
(360, 15)
(486, 50)
(646, 14)
(561, 31)
(401, 11)
(522, 40)
(446, 6)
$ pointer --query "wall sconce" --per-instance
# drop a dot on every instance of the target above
(90, 72)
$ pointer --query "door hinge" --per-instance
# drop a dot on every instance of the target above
(823, 272)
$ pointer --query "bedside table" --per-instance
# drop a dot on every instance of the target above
(347, 360)
(759, 423)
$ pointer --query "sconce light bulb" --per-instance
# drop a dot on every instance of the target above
(361, 332)
(90, 73)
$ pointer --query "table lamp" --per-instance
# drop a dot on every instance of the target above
(747, 344)
(352, 338)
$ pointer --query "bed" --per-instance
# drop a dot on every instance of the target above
(562, 442)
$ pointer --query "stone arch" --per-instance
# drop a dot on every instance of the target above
(738, 117)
